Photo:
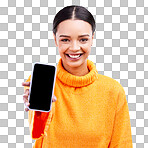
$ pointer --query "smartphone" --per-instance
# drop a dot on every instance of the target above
(42, 87)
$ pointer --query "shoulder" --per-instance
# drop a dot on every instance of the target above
(110, 83)
(113, 89)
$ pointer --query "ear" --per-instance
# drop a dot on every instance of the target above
(55, 40)
(92, 38)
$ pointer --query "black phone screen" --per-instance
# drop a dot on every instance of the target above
(42, 87)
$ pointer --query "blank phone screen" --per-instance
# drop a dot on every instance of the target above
(42, 87)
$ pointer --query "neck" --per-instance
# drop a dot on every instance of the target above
(77, 71)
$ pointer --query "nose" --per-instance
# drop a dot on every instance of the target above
(74, 46)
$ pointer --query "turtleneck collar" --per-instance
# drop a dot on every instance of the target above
(77, 81)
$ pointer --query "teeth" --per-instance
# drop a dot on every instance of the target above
(74, 56)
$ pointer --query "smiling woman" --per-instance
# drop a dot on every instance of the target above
(73, 30)
(74, 39)
(91, 110)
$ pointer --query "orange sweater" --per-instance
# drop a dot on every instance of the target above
(91, 111)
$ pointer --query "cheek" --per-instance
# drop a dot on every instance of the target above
(62, 48)
(86, 48)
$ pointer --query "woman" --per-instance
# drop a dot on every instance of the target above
(91, 109)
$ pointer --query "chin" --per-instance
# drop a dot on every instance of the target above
(75, 64)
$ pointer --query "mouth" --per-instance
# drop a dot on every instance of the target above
(74, 56)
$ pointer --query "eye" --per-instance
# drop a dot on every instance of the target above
(84, 40)
(64, 40)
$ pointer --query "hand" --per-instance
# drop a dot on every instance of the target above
(26, 94)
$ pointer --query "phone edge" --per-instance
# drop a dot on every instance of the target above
(33, 64)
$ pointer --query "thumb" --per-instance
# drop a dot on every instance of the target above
(54, 98)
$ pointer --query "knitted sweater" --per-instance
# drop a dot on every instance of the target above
(91, 111)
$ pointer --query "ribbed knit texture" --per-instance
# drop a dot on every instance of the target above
(77, 81)
(91, 111)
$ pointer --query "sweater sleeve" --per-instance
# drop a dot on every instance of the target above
(39, 121)
(121, 135)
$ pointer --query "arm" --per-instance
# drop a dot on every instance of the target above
(121, 135)
(39, 121)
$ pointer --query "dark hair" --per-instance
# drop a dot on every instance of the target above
(73, 12)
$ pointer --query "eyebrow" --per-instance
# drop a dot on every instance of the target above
(69, 36)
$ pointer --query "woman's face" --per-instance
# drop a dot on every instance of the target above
(74, 39)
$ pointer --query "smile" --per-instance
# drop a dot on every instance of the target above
(74, 56)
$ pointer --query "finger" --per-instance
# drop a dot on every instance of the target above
(54, 98)
(25, 83)
(27, 104)
(25, 99)
(26, 109)
(26, 92)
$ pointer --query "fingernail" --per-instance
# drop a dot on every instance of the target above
(26, 109)
(54, 98)
(24, 95)
(27, 103)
